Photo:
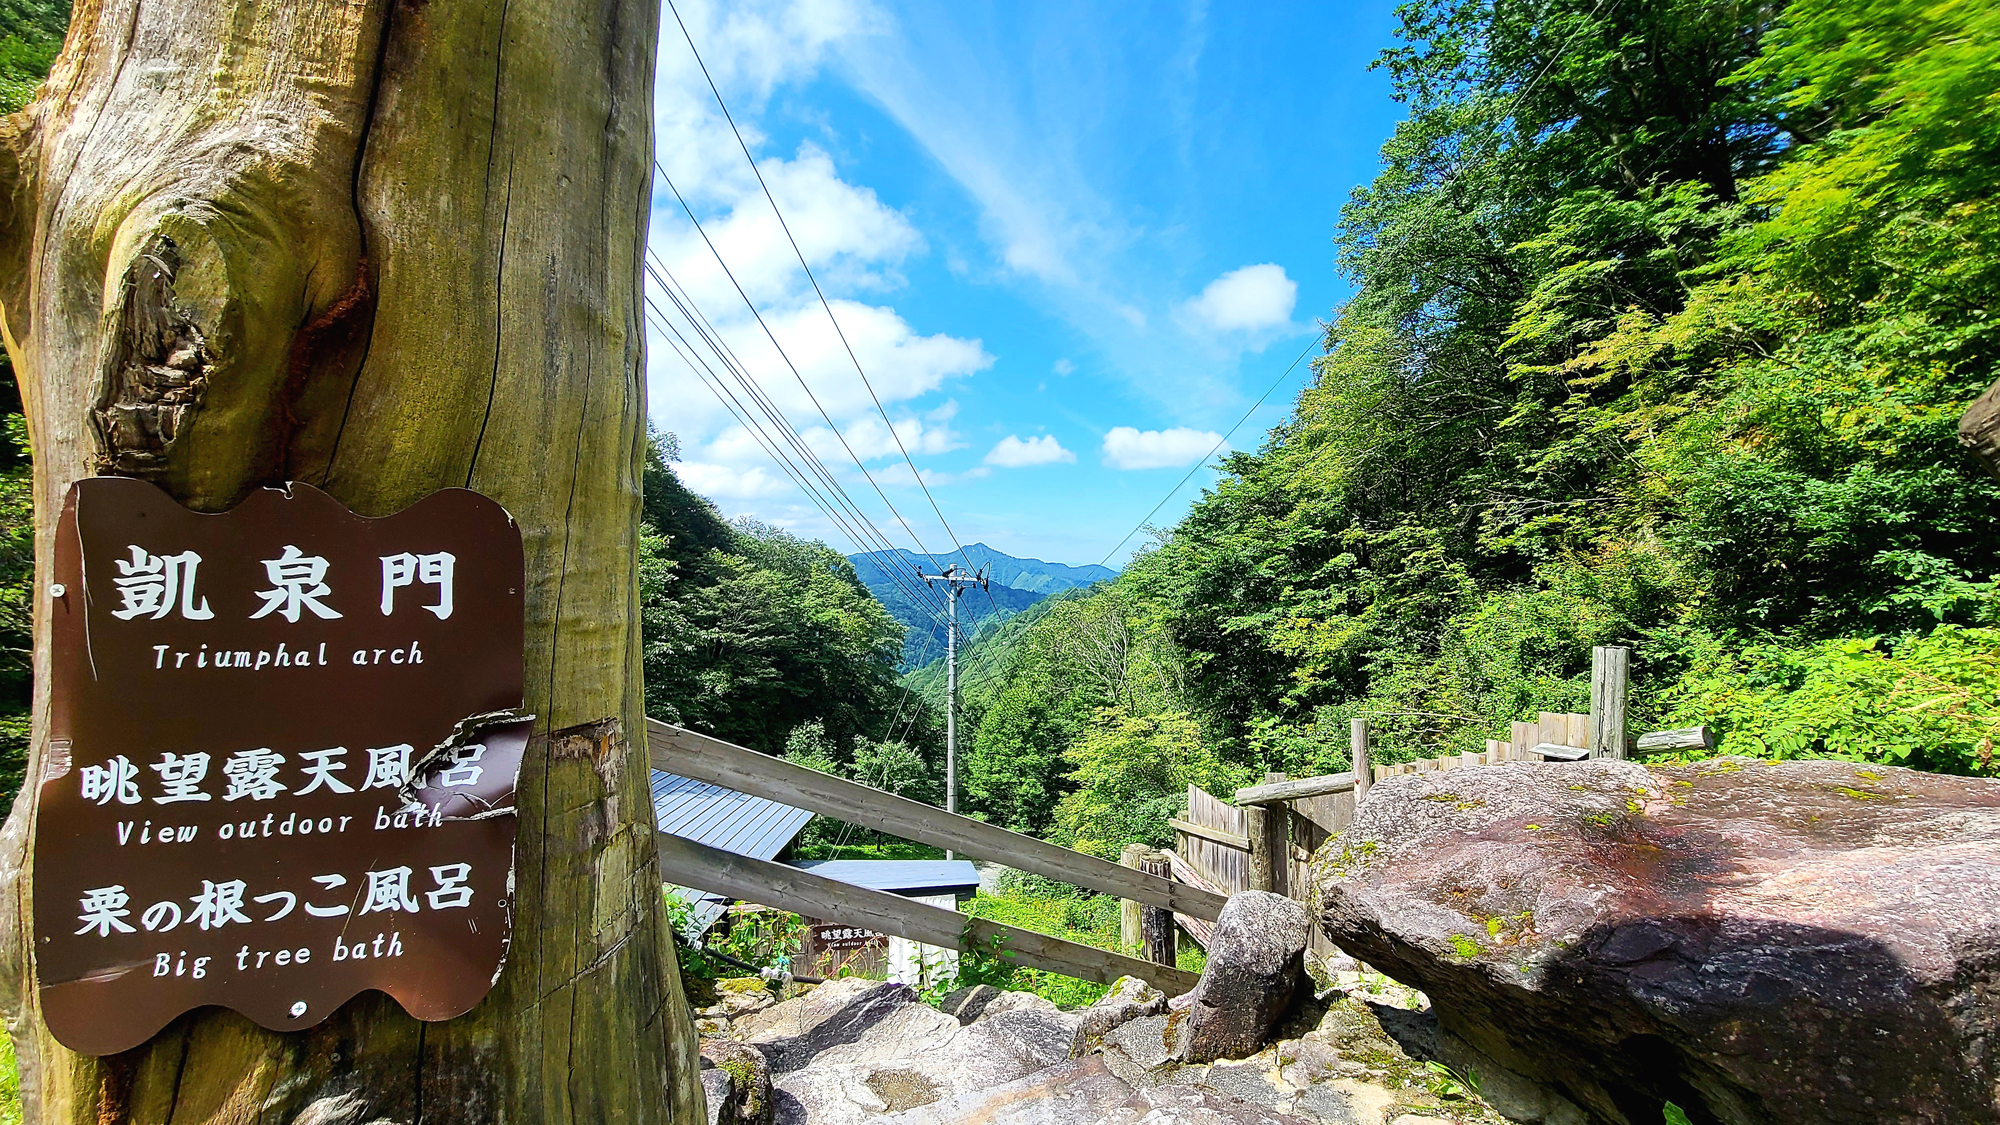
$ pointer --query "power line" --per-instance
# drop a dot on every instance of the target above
(699, 323)
(1198, 465)
(750, 426)
(915, 474)
(1522, 94)
(803, 385)
(772, 446)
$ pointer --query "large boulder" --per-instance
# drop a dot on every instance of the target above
(1341, 1060)
(1085, 1092)
(1255, 960)
(1756, 942)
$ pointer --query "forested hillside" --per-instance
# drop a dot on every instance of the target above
(1665, 313)
(756, 636)
(1014, 584)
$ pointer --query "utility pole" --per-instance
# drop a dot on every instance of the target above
(955, 579)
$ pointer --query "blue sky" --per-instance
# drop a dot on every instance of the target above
(1070, 244)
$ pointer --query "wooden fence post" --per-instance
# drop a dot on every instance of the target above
(1156, 925)
(1610, 675)
(1364, 769)
(1256, 820)
(1130, 933)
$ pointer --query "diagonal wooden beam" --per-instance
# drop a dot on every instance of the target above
(690, 864)
(684, 752)
(1278, 792)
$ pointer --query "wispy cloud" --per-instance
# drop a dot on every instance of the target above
(1012, 452)
(1128, 448)
(856, 243)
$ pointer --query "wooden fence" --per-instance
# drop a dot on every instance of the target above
(1264, 841)
(1223, 864)
(1203, 854)
(689, 754)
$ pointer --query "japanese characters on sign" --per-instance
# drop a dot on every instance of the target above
(843, 937)
(282, 755)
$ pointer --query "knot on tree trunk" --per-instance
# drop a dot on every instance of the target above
(157, 369)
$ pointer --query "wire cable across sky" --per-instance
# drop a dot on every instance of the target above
(1220, 442)
(916, 474)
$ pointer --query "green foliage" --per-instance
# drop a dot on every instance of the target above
(1132, 773)
(984, 961)
(1083, 918)
(10, 1082)
(17, 574)
(893, 767)
(1449, 1084)
(767, 939)
(888, 849)
(1927, 701)
(749, 631)
(1664, 315)
(31, 32)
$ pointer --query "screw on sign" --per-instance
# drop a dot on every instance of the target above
(283, 748)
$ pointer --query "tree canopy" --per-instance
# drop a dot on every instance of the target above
(751, 633)
(1664, 315)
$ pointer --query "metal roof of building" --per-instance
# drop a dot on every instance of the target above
(899, 876)
(721, 818)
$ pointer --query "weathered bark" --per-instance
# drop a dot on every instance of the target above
(383, 246)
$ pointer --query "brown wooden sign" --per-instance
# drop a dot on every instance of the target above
(282, 757)
(827, 936)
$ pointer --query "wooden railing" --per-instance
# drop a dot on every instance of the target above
(689, 754)
(789, 888)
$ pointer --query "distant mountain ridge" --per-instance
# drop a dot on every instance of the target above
(1016, 583)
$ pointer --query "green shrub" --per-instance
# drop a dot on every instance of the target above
(1929, 701)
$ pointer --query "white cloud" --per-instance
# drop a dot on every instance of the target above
(897, 475)
(1128, 448)
(725, 482)
(849, 236)
(1249, 299)
(1012, 452)
(1064, 367)
(852, 239)
(870, 440)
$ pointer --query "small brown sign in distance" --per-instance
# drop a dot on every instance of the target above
(282, 756)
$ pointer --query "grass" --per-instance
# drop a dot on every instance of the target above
(1072, 915)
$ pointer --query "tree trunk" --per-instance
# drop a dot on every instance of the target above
(385, 247)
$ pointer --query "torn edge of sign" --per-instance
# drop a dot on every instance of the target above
(464, 733)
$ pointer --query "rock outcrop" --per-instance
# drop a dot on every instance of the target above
(861, 1051)
(1759, 943)
(1255, 961)
(853, 1050)
(737, 1082)
(1128, 999)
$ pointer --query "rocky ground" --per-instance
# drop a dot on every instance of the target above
(1752, 943)
(1357, 1053)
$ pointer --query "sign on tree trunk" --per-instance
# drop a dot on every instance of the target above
(386, 248)
(280, 774)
